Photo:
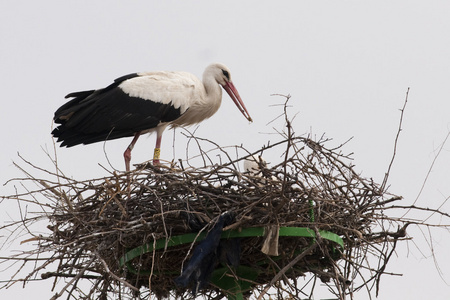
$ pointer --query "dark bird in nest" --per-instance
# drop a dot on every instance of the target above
(208, 254)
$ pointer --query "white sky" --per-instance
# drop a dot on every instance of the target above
(347, 65)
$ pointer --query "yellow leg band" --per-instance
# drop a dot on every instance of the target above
(156, 153)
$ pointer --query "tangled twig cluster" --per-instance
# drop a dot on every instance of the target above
(94, 225)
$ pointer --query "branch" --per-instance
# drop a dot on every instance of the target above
(386, 176)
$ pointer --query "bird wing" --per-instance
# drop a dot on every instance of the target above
(136, 102)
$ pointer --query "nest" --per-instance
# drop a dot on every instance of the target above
(95, 223)
(129, 236)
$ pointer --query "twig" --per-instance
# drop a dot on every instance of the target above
(386, 176)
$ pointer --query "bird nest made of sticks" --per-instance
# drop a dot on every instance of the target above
(128, 234)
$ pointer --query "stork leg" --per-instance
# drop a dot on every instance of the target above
(127, 156)
(157, 151)
(127, 153)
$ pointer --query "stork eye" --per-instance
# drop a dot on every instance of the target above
(226, 74)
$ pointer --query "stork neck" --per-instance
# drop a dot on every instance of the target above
(213, 90)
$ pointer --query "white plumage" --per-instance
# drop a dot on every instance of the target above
(253, 165)
(178, 89)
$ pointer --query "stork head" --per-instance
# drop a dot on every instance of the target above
(223, 77)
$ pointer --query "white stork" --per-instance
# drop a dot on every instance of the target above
(143, 102)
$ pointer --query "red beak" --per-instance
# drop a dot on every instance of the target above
(232, 91)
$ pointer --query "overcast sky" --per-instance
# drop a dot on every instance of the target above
(346, 64)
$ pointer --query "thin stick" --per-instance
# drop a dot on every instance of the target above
(386, 175)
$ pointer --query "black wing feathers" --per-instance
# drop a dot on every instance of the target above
(106, 114)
